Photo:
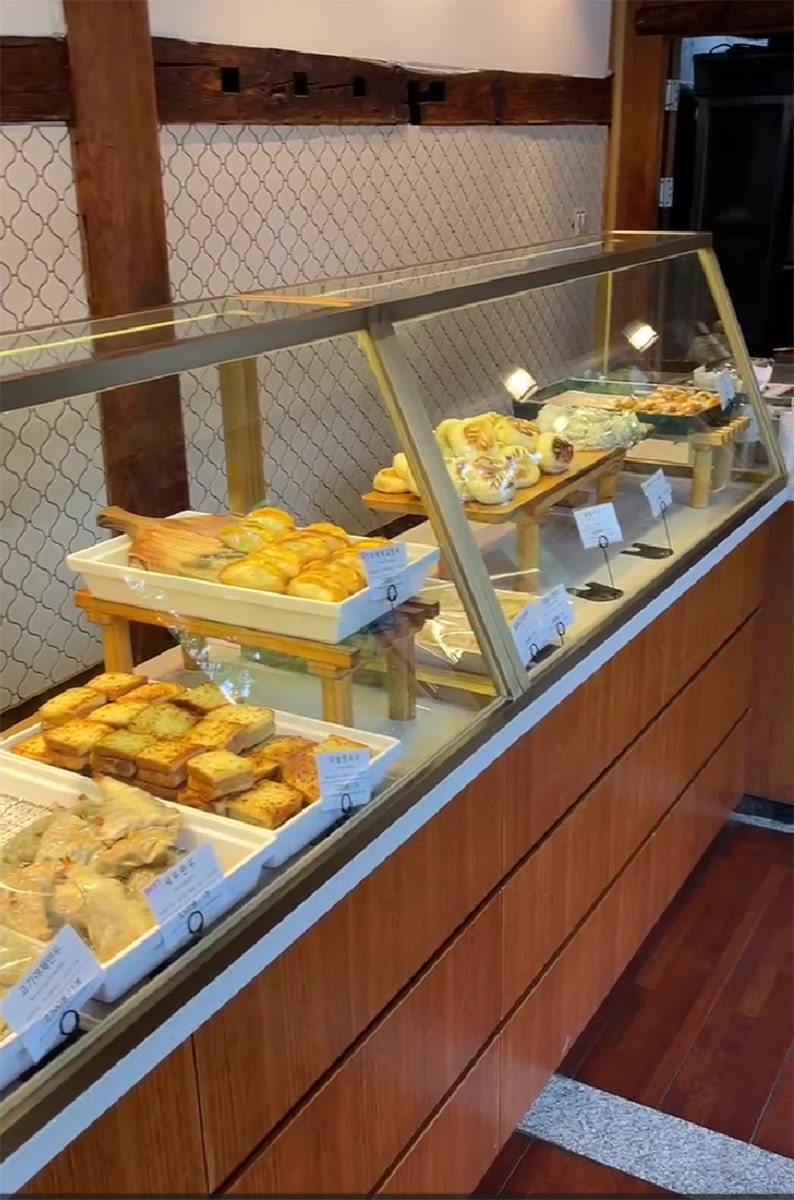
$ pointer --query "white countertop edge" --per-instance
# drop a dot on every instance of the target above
(31, 1157)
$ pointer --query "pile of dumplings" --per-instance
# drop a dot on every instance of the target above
(488, 458)
(320, 562)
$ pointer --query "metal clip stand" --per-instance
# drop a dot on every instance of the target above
(195, 922)
(645, 549)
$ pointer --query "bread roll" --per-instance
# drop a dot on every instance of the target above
(442, 434)
(315, 586)
(286, 562)
(523, 464)
(513, 431)
(246, 537)
(252, 573)
(273, 519)
(489, 482)
(472, 437)
(400, 465)
(556, 453)
(308, 548)
(388, 481)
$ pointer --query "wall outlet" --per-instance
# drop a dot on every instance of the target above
(579, 220)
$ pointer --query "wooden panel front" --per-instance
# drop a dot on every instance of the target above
(460, 1142)
(146, 1145)
(265, 1049)
(544, 776)
(771, 773)
(351, 1130)
(553, 890)
(535, 1040)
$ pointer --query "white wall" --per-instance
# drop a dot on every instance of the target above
(31, 18)
(569, 37)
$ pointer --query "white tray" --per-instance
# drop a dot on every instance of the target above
(14, 1059)
(242, 852)
(294, 834)
(109, 576)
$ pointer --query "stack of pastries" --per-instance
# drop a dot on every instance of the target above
(319, 562)
(189, 745)
(488, 457)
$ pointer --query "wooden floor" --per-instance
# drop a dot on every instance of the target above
(700, 1025)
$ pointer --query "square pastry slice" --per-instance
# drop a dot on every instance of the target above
(164, 720)
(216, 735)
(165, 763)
(68, 706)
(218, 773)
(300, 772)
(159, 691)
(203, 699)
(284, 746)
(33, 748)
(117, 752)
(112, 685)
(120, 713)
(70, 745)
(262, 765)
(268, 805)
(254, 723)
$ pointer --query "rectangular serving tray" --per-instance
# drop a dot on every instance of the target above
(108, 575)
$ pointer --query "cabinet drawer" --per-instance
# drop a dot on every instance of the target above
(535, 1040)
(347, 1135)
(459, 1144)
(564, 877)
(614, 705)
(261, 1054)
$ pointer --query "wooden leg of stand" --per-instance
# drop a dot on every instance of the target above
(337, 698)
(400, 653)
(723, 464)
(116, 644)
(606, 485)
(527, 552)
(701, 476)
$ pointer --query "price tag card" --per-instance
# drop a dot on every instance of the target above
(725, 388)
(529, 631)
(187, 897)
(658, 492)
(598, 524)
(383, 568)
(556, 610)
(43, 1006)
(344, 777)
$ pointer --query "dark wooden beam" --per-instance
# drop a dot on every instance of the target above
(245, 84)
(34, 80)
(705, 18)
(118, 183)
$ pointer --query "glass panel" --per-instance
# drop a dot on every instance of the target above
(617, 377)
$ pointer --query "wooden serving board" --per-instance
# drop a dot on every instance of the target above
(586, 466)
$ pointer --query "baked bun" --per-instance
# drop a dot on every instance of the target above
(556, 453)
(490, 482)
(513, 431)
(256, 574)
(308, 548)
(286, 562)
(472, 437)
(457, 469)
(245, 537)
(442, 435)
(273, 519)
(371, 543)
(321, 527)
(350, 579)
(313, 585)
(388, 481)
(523, 464)
(400, 465)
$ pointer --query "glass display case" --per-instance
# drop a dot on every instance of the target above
(414, 500)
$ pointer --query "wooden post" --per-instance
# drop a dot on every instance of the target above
(242, 434)
(118, 181)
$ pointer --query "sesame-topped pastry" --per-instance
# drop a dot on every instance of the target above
(556, 453)
(514, 431)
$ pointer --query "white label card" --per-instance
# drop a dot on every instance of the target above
(598, 525)
(658, 492)
(529, 631)
(725, 389)
(383, 567)
(187, 897)
(344, 777)
(556, 610)
(43, 1006)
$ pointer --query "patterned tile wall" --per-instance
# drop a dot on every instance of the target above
(250, 207)
(256, 208)
(52, 481)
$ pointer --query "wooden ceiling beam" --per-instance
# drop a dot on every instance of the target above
(34, 80)
(707, 18)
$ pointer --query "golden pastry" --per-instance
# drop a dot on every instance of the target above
(474, 436)
(308, 548)
(251, 573)
(273, 519)
(286, 561)
(513, 431)
(315, 586)
(556, 453)
(388, 482)
(350, 579)
(247, 538)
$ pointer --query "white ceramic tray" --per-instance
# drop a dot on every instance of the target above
(14, 1059)
(294, 834)
(242, 852)
(109, 576)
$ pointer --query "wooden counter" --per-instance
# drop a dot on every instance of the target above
(394, 1047)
